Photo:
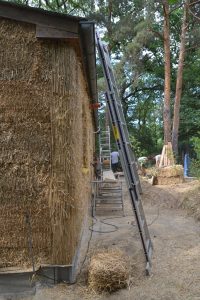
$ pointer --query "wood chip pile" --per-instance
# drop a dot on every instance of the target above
(109, 271)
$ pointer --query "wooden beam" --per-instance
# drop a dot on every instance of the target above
(54, 33)
(39, 17)
(162, 157)
(167, 156)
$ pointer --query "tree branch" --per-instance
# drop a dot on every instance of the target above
(194, 3)
(192, 47)
(198, 18)
(157, 33)
(175, 8)
(156, 87)
(48, 4)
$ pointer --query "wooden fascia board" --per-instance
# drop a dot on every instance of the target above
(54, 33)
(38, 17)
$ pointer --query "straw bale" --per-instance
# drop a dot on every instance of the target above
(167, 175)
(72, 150)
(170, 171)
(25, 146)
(168, 180)
(191, 201)
(46, 139)
(109, 270)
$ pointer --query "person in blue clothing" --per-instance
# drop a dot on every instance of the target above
(115, 161)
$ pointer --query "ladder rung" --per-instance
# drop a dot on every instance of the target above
(106, 195)
(110, 191)
(118, 188)
(113, 187)
(110, 201)
(108, 208)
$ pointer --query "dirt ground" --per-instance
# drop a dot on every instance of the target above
(176, 257)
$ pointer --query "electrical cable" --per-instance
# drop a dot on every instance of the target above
(158, 214)
(102, 221)
(109, 224)
(88, 247)
(102, 232)
(156, 218)
(45, 276)
(98, 231)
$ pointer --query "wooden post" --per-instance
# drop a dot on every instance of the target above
(167, 156)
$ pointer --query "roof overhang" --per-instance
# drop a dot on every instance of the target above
(39, 16)
(52, 25)
(87, 35)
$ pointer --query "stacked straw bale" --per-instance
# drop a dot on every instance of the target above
(44, 115)
(109, 270)
(169, 175)
(25, 146)
(72, 149)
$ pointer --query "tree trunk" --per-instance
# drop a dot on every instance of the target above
(109, 25)
(179, 80)
(166, 109)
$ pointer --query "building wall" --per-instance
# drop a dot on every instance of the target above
(46, 138)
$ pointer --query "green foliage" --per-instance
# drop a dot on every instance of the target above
(196, 143)
(195, 162)
(173, 1)
(195, 168)
(134, 33)
(136, 146)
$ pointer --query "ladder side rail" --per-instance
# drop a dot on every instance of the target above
(122, 139)
(117, 115)
(133, 193)
(132, 190)
(122, 118)
(122, 158)
(100, 158)
(133, 187)
(111, 90)
(105, 148)
(114, 85)
(113, 81)
(110, 147)
(132, 175)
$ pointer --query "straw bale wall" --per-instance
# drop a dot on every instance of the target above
(44, 112)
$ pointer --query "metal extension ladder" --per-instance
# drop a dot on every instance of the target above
(104, 141)
(127, 158)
